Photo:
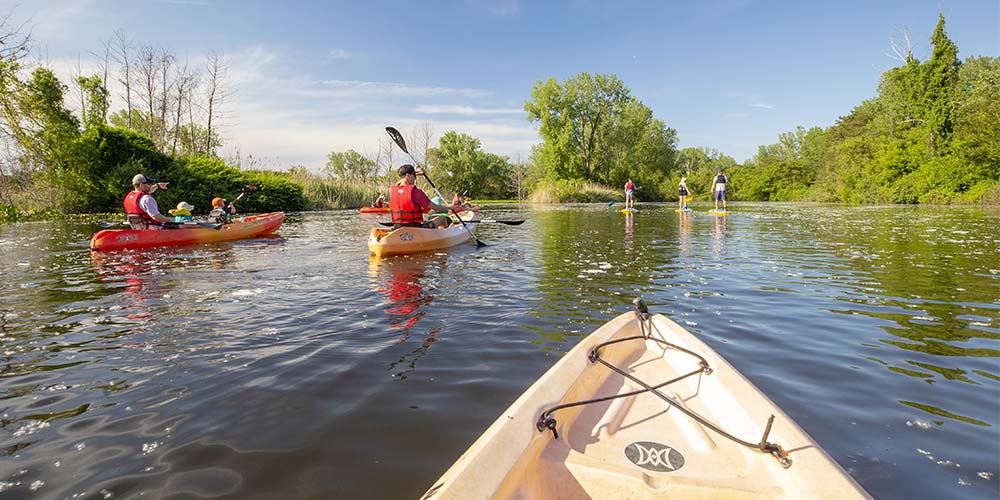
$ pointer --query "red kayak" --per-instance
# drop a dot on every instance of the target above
(244, 227)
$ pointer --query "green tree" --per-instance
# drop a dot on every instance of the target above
(941, 75)
(42, 103)
(95, 105)
(574, 118)
(593, 129)
(349, 165)
(461, 166)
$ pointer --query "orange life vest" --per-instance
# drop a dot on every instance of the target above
(402, 207)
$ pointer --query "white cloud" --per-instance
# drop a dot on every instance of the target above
(284, 119)
(761, 105)
(466, 110)
(343, 55)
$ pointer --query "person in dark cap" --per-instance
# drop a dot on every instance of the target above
(140, 207)
(407, 202)
(719, 189)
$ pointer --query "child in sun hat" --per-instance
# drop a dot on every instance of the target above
(183, 212)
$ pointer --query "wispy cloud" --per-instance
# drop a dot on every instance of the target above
(761, 105)
(343, 55)
(465, 110)
(349, 88)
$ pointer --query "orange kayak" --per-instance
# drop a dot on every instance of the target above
(245, 227)
(407, 240)
(374, 210)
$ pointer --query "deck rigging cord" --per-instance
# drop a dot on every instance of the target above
(547, 421)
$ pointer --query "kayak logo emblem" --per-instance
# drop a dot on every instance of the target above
(654, 456)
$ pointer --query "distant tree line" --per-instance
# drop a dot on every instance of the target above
(931, 135)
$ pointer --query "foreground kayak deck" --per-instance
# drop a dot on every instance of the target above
(245, 227)
(641, 446)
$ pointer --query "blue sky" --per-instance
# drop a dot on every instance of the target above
(315, 77)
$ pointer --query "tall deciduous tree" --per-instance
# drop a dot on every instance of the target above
(95, 108)
(594, 129)
(460, 166)
(350, 164)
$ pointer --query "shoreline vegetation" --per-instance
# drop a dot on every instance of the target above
(931, 135)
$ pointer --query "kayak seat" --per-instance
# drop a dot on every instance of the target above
(135, 221)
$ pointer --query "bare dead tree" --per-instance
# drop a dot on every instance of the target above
(217, 68)
(166, 62)
(147, 73)
(187, 81)
(122, 52)
(15, 45)
(78, 79)
(105, 65)
(901, 46)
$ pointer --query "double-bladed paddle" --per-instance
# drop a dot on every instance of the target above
(398, 139)
(481, 221)
(168, 225)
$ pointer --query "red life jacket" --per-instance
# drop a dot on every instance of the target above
(402, 207)
(629, 186)
(132, 207)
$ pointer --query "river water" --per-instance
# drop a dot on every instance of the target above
(297, 367)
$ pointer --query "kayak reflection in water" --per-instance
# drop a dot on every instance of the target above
(408, 303)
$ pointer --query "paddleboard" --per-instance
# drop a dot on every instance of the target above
(628, 210)
(682, 210)
(718, 212)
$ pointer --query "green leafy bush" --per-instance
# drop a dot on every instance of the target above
(573, 191)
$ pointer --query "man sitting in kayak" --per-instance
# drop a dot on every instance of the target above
(380, 202)
(140, 207)
(407, 202)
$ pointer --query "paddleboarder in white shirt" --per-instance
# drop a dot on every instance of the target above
(719, 188)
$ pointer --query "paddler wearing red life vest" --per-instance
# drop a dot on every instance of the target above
(407, 202)
(140, 207)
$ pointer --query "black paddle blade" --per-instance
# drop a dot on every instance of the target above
(248, 188)
(397, 138)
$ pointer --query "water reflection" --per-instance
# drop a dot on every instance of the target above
(404, 282)
(719, 234)
(684, 231)
(629, 234)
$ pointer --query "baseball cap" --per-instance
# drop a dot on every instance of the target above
(142, 179)
(406, 169)
(185, 206)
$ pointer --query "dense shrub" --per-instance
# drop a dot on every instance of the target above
(574, 191)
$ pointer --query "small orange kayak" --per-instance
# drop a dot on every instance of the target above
(407, 240)
(245, 227)
(374, 210)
